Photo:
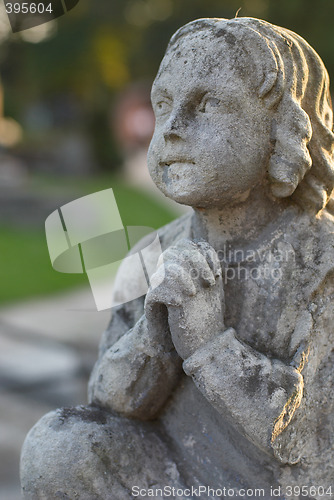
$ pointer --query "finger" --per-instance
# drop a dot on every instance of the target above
(203, 261)
(198, 258)
(196, 264)
(169, 284)
(192, 247)
(201, 273)
(211, 257)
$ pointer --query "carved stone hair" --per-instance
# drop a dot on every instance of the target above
(292, 80)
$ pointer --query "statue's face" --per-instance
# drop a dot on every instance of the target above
(212, 136)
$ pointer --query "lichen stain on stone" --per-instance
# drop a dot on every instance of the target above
(62, 496)
(252, 381)
(228, 37)
(86, 414)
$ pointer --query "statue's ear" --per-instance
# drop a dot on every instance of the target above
(24, 15)
(290, 159)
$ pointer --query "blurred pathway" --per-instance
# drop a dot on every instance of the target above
(47, 350)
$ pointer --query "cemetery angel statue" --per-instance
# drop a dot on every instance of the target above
(223, 374)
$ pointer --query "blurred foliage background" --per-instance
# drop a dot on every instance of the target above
(68, 75)
(68, 85)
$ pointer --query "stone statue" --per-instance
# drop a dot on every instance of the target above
(222, 376)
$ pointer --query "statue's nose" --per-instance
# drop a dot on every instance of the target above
(175, 127)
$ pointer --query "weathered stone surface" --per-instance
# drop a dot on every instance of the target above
(48, 347)
(223, 374)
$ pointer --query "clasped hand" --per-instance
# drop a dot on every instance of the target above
(185, 304)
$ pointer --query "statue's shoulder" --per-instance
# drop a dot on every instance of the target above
(309, 232)
(168, 234)
(313, 241)
(322, 230)
(325, 239)
(175, 230)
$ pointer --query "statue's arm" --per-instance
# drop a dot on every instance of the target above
(138, 367)
(257, 394)
(272, 401)
(136, 370)
(135, 375)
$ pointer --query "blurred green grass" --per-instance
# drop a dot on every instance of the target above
(25, 268)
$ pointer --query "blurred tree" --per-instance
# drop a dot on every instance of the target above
(97, 49)
(313, 21)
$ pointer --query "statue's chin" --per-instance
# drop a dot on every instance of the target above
(179, 196)
(194, 198)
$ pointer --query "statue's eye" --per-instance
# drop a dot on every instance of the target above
(162, 108)
(208, 103)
